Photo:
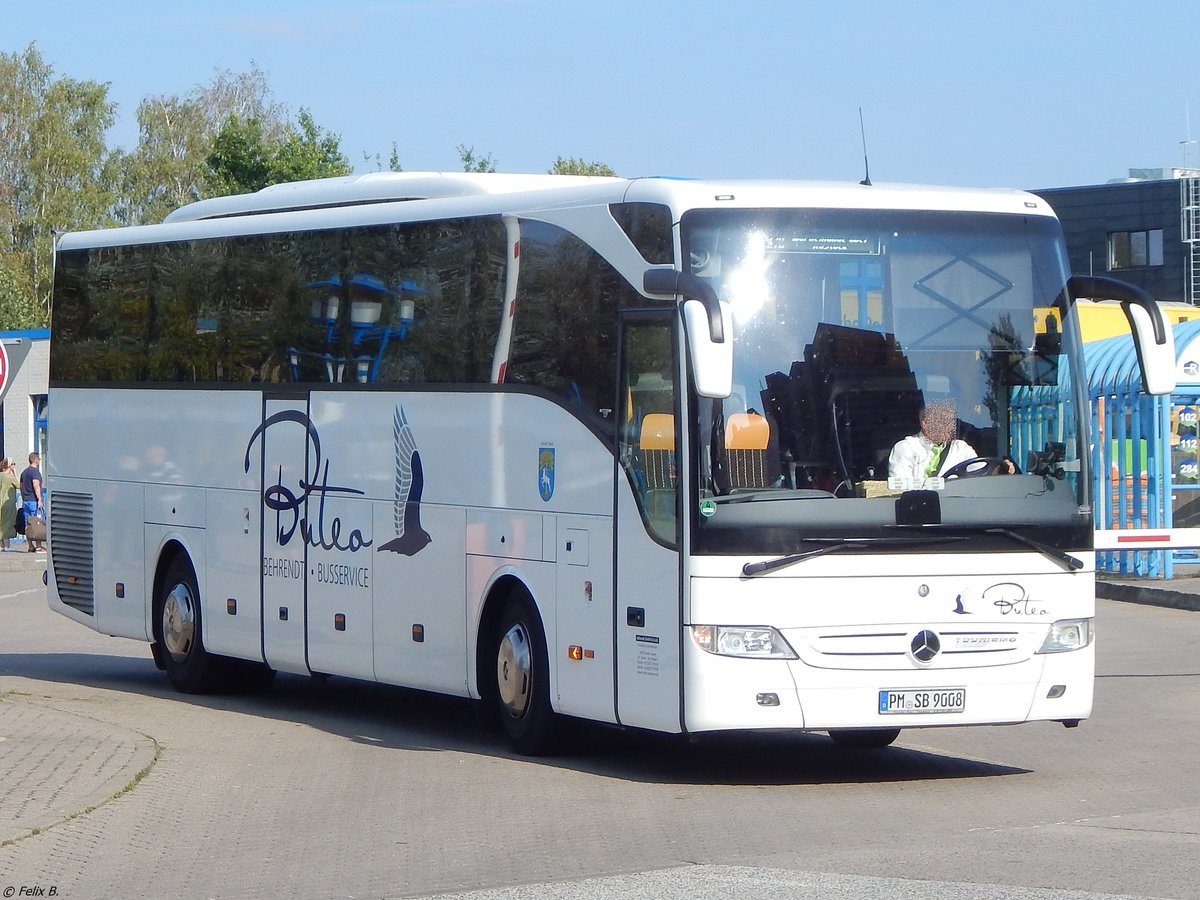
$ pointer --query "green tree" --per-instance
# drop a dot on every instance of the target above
(245, 95)
(393, 160)
(244, 158)
(176, 135)
(237, 160)
(308, 152)
(166, 169)
(56, 173)
(576, 166)
(18, 307)
(473, 163)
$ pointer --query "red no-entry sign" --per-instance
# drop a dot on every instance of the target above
(12, 353)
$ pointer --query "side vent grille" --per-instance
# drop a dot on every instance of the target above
(71, 541)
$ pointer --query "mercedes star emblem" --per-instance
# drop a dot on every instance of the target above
(925, 645)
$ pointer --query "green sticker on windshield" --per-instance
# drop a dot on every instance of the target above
(708, 508)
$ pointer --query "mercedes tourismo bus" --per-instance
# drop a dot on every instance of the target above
(597, 448)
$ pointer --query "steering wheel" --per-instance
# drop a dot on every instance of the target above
(973, 467)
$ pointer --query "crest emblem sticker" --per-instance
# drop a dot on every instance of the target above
(546, 473)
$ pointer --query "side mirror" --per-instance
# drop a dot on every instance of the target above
(708, 324)
(712, 361)
(1156, 359)
(1152, 337)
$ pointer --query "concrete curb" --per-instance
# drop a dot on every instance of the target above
(1151, 593)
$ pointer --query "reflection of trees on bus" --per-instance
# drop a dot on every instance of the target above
(293, 306)
(230, 309)
(563, 335)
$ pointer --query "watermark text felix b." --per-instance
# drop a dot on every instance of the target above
(30, 890)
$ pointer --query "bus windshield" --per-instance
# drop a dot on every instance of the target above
(891, 369)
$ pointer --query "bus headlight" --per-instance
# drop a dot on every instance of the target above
(1067, 634)
(755, 642)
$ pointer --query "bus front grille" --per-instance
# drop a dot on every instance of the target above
(953, 646)
(71, 542)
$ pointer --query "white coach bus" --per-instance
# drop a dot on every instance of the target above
(608, 449)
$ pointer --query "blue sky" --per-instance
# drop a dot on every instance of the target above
(1020, 93)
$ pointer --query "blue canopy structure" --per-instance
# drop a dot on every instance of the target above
(1144, 449)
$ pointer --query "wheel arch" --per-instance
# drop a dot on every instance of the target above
(505, 587)
(168, 551)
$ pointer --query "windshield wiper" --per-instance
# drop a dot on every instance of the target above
(1066, 560)
(833, 544)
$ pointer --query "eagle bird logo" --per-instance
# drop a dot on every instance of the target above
(410, 538)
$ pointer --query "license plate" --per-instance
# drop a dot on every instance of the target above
(922, 702)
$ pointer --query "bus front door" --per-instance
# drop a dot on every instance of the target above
(647, 591)
(286, 439)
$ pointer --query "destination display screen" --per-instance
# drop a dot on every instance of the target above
(823, 242)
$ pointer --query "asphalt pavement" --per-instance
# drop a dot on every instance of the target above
(60, 765)
(19, 559)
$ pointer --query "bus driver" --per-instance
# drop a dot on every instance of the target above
(935, 450)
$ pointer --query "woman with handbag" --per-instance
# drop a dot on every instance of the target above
(10, 490)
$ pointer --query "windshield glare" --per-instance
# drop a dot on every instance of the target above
(879, 353)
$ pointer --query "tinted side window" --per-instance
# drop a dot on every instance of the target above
(564, 330)
(98, 327)
(649, 228)
(408, 303)
(453, 272)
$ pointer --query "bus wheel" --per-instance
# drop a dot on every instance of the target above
(523, 680)
(865, 738)
(177, 631)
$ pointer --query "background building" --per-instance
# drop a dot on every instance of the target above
(24, 413)
(1144, 229)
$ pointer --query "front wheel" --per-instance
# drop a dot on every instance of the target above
(523, 680)
(190, 667)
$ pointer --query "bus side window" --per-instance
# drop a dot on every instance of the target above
(563, 338)
(656, 446)
(648, 451)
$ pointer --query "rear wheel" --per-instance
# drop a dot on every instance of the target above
(523, 680)
(865, 738)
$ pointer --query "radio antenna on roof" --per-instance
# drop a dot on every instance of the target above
(866, 165)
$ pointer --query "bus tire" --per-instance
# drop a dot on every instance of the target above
(523, 680)
(177, 632)
(865, 738)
